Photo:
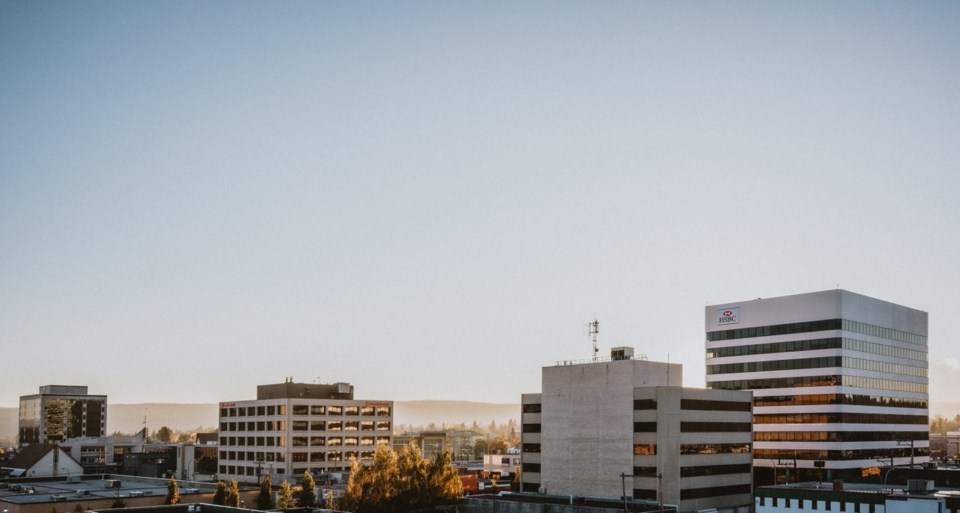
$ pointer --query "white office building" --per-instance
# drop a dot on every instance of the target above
(839, 381)
(295, 427)
(626, 427)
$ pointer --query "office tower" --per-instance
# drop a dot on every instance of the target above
(839, 381)
(60, 412)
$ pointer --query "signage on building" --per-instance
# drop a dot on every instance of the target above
(227, 405)
(377, 403)
(728, 315)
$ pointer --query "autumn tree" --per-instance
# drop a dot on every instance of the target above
(163, 434)
(232, 497)
(220, 496)
(307, 489)
(285, 496)
(396, 482)
(265, 497)
(173, 492)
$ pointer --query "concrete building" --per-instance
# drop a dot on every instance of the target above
(60, 412)
(815, 497)
(626, 426)
(295, 427)
(839, 381)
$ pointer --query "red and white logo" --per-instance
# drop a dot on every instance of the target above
(729, 315)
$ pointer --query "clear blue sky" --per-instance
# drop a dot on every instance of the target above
(431, 200)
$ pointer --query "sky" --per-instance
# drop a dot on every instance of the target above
(432, 199)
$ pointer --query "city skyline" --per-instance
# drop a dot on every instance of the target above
(432, 200)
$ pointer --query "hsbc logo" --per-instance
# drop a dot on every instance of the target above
(729, 315)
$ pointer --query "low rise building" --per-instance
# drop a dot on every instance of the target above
(291, 428)
(626, 427)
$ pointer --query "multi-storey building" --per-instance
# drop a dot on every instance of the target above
(60, 412)
(295, 427)
(839, 381)
(625, 426)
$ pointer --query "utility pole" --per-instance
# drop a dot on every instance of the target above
(623, 484)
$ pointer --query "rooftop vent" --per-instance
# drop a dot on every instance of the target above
(621, 353)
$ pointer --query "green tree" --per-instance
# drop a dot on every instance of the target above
(285, 496)
(307, 490)
(173, 492)
(265, 497)
(220, 496)
(163, 434)
(233, 495)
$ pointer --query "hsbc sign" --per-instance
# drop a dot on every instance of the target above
(728, 315)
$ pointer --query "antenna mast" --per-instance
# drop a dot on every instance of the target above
(594, 333)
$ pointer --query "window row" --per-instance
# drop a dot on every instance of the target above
(819, 381)
(263, 425)
(334, 409)
(252, 456)
(322, 441)
(850, 454)
(838, 418)
(710, 405)
(338, 425)
(688, 449)
(818, 363)
(857, 399)
(838, 436)
(715, 448)
(858, 507)
(251, 411)
(531, 408)
(644, 404)
(306, 409)
(777, 329)
(530, 428)
(818, 344)
(877, 331)
(823, 325)
(253, 441)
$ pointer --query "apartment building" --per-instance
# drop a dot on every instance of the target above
(296, 427)
(839, 381)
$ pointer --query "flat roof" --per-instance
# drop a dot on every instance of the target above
(43, 490)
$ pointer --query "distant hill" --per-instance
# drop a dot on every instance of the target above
(128, 418)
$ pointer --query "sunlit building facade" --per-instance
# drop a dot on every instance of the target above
(60, 412)
(839, 381)
(296, 427)
(627, 426)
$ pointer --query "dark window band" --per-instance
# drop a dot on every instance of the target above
(838, 418)
(819, 381)
(822, 325)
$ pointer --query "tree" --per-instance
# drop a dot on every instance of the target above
(265, 498)
(163, 434)
(220, 496)
(307, 489)
(285, 496)
(233, 495)
(498, 446)
(398, 482)
(173, 492)
(480, 448)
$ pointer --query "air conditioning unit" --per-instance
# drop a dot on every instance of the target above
(919, 485)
